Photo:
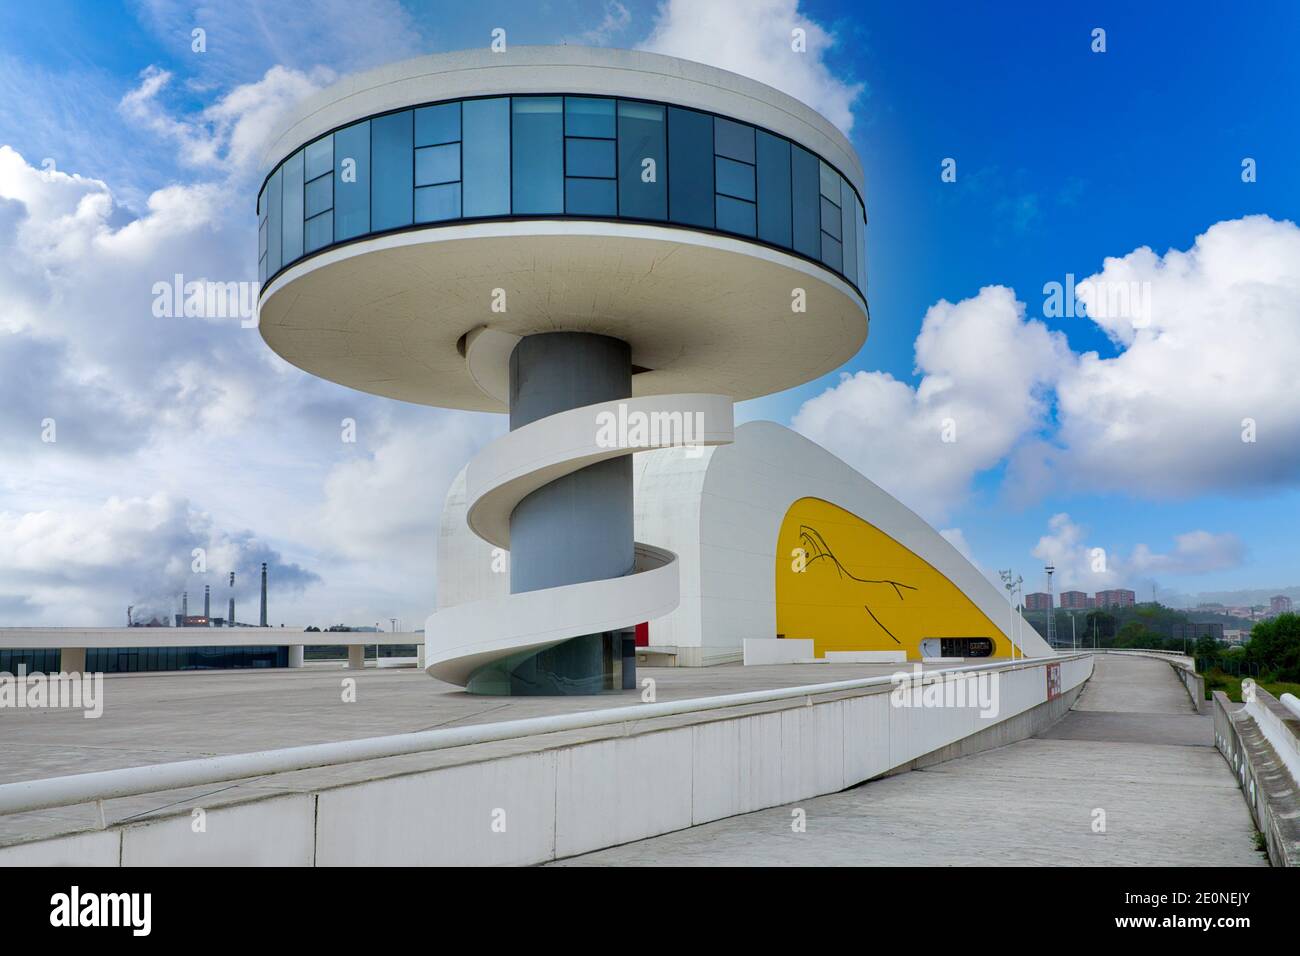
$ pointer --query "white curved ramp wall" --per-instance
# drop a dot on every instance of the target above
(461, 639)
(468, 569)
(747, 489)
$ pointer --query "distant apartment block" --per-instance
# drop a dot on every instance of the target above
(1116, 597)
(1280, 604)
(1038, 601)
(1076, 600)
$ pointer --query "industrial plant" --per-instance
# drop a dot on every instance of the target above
(185, 619)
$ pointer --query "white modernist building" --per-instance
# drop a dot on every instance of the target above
(576, 237)
(721, 511)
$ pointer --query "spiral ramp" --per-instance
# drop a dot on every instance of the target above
(462, 639)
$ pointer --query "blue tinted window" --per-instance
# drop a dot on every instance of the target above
(390, 157)
(437, 124)
(590, 197)
(320, 231)
(486, 158)
(832, 253)
(261, 223)
(830, 218)
(734, 179)
(805, 200)
(829, 181)
(735, 215)
(261, 251)
(642, 162)
(435, 203)
(584, 116)
(437, 164)
(352, 181)
(319, 157)
(862, 246)
(589, 157)
(734, 140)
(273, 220)
(690, 167)
(292, 241)
(537, 141)
(848, 231)
(773, 189)
(319, 196)
(543, 155)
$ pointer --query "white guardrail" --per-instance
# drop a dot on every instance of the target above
(1272, 723)
(1291, 703)
(131, 781)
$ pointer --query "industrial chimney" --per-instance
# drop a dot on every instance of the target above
(230, 618)
(263, 620)
(185, 605)
(207, 602)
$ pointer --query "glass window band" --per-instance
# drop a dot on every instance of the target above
(559, 155)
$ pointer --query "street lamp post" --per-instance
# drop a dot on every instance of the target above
(1011, 620)
(1011, 587)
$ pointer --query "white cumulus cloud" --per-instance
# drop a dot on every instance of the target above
(753, 38)
(1085, 565)
(985, 370)
(1202, 396)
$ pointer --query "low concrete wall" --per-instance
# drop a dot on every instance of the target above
(772, 650)
(662, 775)
(1194, 683)
(1270, 791)
(1019, 727)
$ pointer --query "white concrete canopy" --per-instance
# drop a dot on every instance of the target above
(702, 312)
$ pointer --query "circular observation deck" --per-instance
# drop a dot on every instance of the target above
(668, 204)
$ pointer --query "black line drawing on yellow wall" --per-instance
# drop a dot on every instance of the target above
(818, 549)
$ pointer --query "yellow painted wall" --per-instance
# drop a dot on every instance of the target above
(858, 586)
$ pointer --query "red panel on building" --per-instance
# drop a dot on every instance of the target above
(1053, 681)
(643, 634)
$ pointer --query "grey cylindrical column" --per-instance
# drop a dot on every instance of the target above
(578, 528)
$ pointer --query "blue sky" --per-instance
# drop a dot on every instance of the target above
(1073, 433)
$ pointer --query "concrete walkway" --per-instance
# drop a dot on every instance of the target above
(1132, 753)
